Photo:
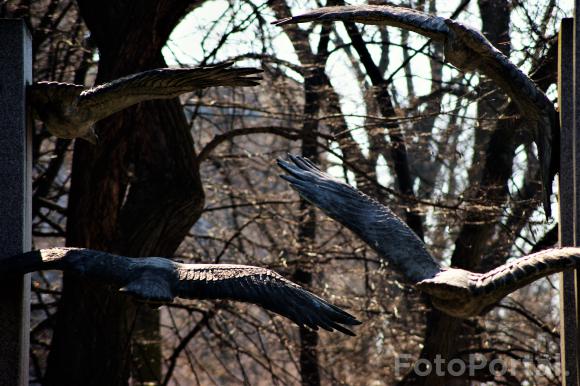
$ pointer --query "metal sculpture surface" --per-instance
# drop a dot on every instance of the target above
(158, 280)
(457, 292)
(70, 110)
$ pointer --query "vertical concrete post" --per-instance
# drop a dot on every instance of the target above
(576, 157)
(15, 197)
(569, 191)
(568, 292)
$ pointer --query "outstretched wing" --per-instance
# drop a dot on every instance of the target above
(163, 83)
(374, 223)
(532, 103)
(467, 49)
(490, 61)
(160, 280)
(464, 294)
(433, 27)
(462, 41)
(43, 93)
(262, 287)
(509, 277)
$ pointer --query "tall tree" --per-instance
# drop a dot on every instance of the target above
(139, 192)
(127, 194)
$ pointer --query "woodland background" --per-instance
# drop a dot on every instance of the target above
(195, 178)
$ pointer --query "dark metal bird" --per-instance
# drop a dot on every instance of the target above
(70, 110)
(158, 280)
(468, 50)
(457, 292)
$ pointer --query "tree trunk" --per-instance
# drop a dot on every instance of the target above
(495, 18)
(309, 367)
(445, 336)
(313, 85)
(136, 193)
(314, 80)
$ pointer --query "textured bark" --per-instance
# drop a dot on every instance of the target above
(446, 335)
(92, 338)
(309, 366)
(424, 168)
(314, 81)
(495, 17)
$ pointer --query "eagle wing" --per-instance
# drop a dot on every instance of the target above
(433, 27)
(42, 93)
(265, 288)
(374, 223)
(467, 49)
(163, 83)
(159, 280)
(464, 294)
(480, 54)
(518, 273)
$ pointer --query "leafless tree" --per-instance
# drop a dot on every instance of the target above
(195, 179)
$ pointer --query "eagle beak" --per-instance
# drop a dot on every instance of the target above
(91, 137)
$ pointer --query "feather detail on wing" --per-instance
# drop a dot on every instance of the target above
(495, 65)
(511, 276)
(464, 294)
(161, 83)
(49, 99)
(159, 280)
(427, 25)
(533, 105)
(41, 93)
(479, 53)
(265, 288)
(374, 223)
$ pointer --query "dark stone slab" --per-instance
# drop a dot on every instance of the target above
(567, 191)
(15, 197)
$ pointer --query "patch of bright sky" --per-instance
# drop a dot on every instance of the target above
(188, 46)
(346, 84)
(184, 45)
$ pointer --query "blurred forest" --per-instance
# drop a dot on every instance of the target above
(195, 179)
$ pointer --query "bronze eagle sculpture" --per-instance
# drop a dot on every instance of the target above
(468, 50)
(158, 280)
(457, 292)
(70, 110)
